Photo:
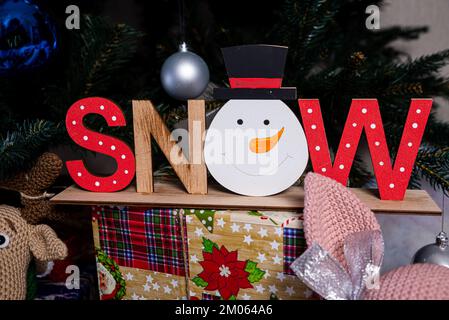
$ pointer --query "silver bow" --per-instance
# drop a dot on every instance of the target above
(363, 253)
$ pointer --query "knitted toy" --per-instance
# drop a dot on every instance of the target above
(32, 186)
(19, 242)
(346, 251)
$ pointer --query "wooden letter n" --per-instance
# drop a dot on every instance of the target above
(148, 123)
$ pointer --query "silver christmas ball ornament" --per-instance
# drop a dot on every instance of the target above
(184, 75)
(435, 253)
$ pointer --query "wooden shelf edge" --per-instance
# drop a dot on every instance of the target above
(171, 195)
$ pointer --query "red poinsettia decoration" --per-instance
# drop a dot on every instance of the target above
(224, 272)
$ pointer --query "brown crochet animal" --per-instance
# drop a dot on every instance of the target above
(19, 242)
(32, 186)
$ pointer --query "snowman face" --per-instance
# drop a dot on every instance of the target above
(256, 147)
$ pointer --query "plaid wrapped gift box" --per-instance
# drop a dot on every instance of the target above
(147, 239)
(140, 253)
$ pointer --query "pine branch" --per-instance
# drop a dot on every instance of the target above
(98, 65)
(20, 147)
(425, 65)
(432, 164)
(112, 57)
(380, 40)
(304, 27)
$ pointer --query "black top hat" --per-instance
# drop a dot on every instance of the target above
(255, 72)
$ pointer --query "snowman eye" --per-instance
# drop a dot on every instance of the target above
(266, 122)
(239, 121)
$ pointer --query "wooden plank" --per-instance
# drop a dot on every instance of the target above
(171, 195)
(415, 202)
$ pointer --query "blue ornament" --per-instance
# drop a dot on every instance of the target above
(27, 37)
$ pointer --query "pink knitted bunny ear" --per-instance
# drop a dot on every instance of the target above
(346, 248)
(332, 212)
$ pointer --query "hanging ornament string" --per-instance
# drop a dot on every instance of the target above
(182, 21)
(437, 252)
(442, 238)
(442, 217)
(184, 75)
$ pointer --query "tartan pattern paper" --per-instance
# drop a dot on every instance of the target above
(148, 239)
(294, 246)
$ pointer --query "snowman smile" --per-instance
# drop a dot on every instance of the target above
(263, 145)
(236, 167)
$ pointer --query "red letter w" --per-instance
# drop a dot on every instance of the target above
(364, 114)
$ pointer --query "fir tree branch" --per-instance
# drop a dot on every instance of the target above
(425, 65)
(20, 147)
(98, 65)
(432, 164)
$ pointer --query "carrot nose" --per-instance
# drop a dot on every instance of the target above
(263, 145)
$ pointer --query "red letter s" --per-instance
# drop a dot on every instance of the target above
(97, 142)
